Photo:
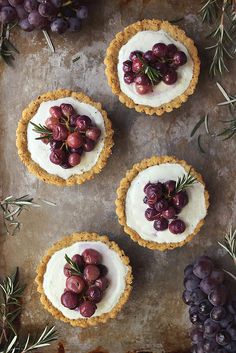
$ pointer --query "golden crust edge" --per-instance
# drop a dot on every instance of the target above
(121, 197)
(65, 242)
(34, 168)
(122, 37)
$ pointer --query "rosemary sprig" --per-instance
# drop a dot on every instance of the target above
(230, 243)
(10, 309)
(42, 130)
(12, 208)
(222, 14)
(152, 73)
(185, 181)
(74, 267)
(44, 339)
(7, 49)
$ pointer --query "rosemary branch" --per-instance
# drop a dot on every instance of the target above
(7, 49)
(185, 181)
(230, 243)
(74, 267)
(42, 130)
(222, 14)
(152, 73)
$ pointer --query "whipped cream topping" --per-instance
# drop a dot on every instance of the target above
(40, 152)
(135, 208)
(162, 93)
(54, 281)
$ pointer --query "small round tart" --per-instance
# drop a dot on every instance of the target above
(156, 227)
(142, 36)
(51, 279)
(36, 155)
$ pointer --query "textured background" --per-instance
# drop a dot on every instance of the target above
(155, 315)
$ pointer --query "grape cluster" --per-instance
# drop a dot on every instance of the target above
(164, 203)
(85, 287)
(153, 66)
(69, 135)
(57, 15)
(212, 309)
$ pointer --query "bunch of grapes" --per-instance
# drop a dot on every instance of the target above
(57, 15)
(212, 310)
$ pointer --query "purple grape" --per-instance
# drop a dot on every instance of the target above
(207, 284)
(67, 270)
(129, 77)
(78, 260)
(162, 68)
(154, 188)
(59, 25)
(47, 10)
(135, 54)
(232, 331)
(218, 295)
(94, 294)
(91, 273)
(209, 345)
(91, 257)
(7, 14)
(31, 5)
(218, 313)
(160, 223)
(25, 25)
(151, 214)
(15, 3)
(223, 338)
(161, 205)
(67, 12)
(169, 213)
(102, 283)
(187, 297)
(191, 282)
(203, 268)
(177, 226)
(82, 12)
(57, 3)
(179, 58)
(195, 317)
(218, 276)
(180, 199)
(70, 300)
(75, 284)
(127, 66)
(232, 307)
(87, 308)
(88, 145)
(149, 56)
(231, 348)
(159, 50)
(205, 307)
(74, 24)
(171, 50)
(21, 13)
(170, 77)
(227, 320)
(103, 270)
(142, 79)
(196, 335)
(57, 156)
(211, 328)
(188, 270)
(197, 296)
(54, 145)
(93, 133)
(59, 132)
(36, 20)
(83, 122)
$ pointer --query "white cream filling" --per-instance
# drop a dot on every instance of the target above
(162, 93)
(191, 214)
(40, 152)
(54, 281)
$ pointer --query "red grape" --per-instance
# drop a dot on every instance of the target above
(75, 140)
(93, 133)
(92, 257)
(70, 300)
(74, 159)
(141, 89)
(91, 273)
(75, 284)
(87, 308)
(51, 122)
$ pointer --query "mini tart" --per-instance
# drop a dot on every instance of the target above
(22, 142)
(121, 38)
(122, 194)
(66, 242)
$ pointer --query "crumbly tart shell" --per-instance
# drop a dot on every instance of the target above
(121, 201)
(34, 168)
(65, 242)
(121, 38)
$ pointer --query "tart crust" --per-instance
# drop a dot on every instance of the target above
(65, 242)
(121, 38)
(33, 167)
(121, 200)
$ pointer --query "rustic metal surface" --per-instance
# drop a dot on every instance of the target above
(155, 315)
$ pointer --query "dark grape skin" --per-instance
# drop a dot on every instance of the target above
(127, 66)
(103, 270)
(21, 13)
(227, 320)
(8, 14)
(47, 9)
(207, 285)
(205, 307)
(25, 25)
(218, 276)
(57, 156)
(102, 283)
(203, 268)
(93, 133)
(83, 122)
(88, 145)
(15, 3)
(82, 12)
(74, 24)
(74, 159)
(211, 328)
(196, 335)
(209, 346)
(188, 270)
(179, 58)
(177, 226)
(218, 313)
(30, 5)
(129, 77)
(232, 331)
(195, 317)
(180, 199)
(161, 205)
(91, 273)
(197, 296)
(36, 20)
(59, 25)
(151, 214)
(191, 282)
(170, 213)
(142, 79)
(91, 257)
(87, 308)
(231, 347)
(94, 294)
(75, 284)
(70, 300)
(223, 338)
(159, 50)
(218, 295)
(160, 223)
